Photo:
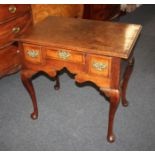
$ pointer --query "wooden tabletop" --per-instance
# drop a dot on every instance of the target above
(99, 37)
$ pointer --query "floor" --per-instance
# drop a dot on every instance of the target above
(75, 117)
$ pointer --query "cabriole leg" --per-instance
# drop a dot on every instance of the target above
(57, 85)
(126, 77)
(114, 101)
(26, 79)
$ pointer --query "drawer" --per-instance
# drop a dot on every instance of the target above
(32, 53)
(9, 59)
(99, 65)
(66, 55)
(11, 29)
(12, 10)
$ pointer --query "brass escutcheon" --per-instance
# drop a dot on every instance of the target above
(99, 66)
(64, 55)
(33, 53)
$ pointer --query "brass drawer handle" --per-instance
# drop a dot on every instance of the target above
(16, 29)
(12, 9)
(18, 51)
(64, 55)
(33, 54)
(99, 66)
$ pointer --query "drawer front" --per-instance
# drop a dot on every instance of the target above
(66, 55)
(99, 65)
(10, 30)
(9, 58)
(32, 53)
(12, 10)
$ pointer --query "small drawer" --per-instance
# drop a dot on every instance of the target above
(33, 53)
(12, 10)
(99, 65)
(9, 58)
(12, 29)
(65, 55)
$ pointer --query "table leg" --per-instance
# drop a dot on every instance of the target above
(57, 85)
(114, 101)
(26, 79)
(126, 77)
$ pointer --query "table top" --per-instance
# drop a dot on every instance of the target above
(95, 37)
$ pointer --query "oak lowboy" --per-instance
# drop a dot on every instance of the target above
(92, 50)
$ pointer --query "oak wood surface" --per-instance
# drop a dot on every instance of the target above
(103, 38)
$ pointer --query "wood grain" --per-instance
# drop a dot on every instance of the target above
(15, 19)
(103, 38)
(9, 60)
(5, 15)
(6, 29)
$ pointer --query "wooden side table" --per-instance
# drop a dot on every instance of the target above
(92, 50)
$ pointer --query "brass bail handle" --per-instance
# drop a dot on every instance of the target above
(33, 53)
(64, 55)
(16, 29)
(12, 9)
(99, 66)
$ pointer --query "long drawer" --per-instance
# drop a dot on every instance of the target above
(8, 11)
(65, 55)
(11, 29)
